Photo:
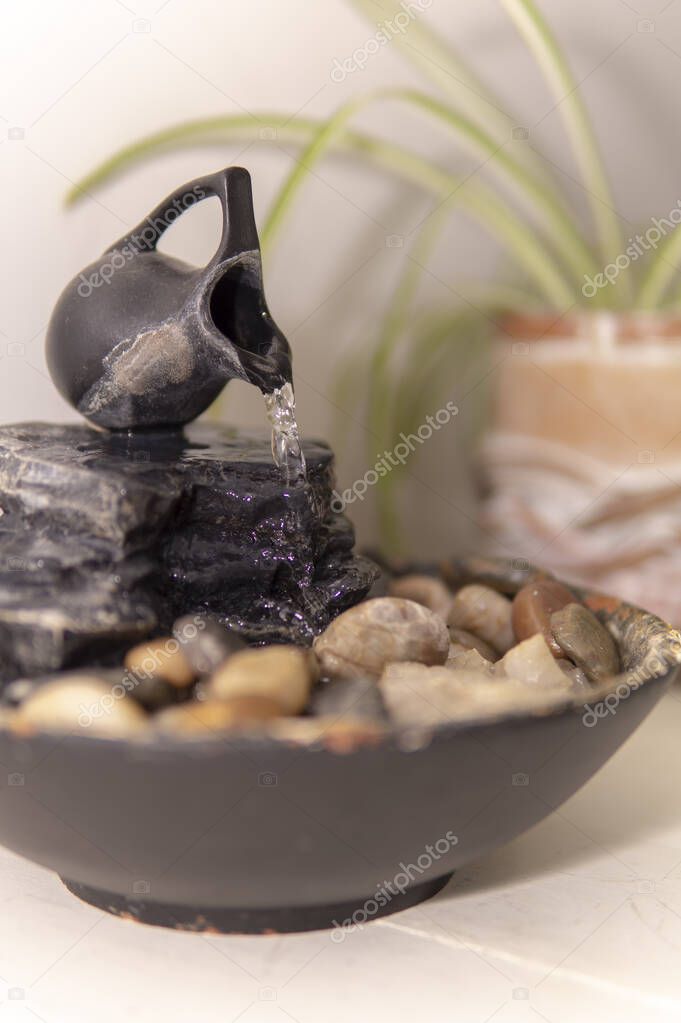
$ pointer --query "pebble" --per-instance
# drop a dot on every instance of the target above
(201, 690)
(485, 613)
(17, 691)
(205, 643)
(423, 589)
(532, 663)
(161, 658)
(153, 694)
(334, 735)
(362, 640)
(581, 637)
(419, 657)
(533, 606)
(285, 674)
(210, 716)
(416, 695)
(348, 699)
(472, 642)
(461, 658)
(380, 587)
(7, 717)
(83, 702)
(576, 675)
(508, 578)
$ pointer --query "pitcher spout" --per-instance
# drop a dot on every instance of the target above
(272, 370)
(253, 346)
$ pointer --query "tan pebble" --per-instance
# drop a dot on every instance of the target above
(80, 702)
(303, 730)
(576, 675)
(582, 638)
(161, 658)
(337, 736)
(425, 697)
(533, 606)
(423, 589)
(285, 674)
(461, 659)
(212, 715)
(7, 716)
(532, 663)
(473, 642)
(361, 641)
(455, 650)
(406, 670)
(484, 612)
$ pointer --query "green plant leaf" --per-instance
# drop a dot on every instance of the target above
(453, 76)
(480, 201)
(437, 358)
(541, 41)
(394, 322)
(457, 337)
(544, 204)
(349, 391)
(664, 266)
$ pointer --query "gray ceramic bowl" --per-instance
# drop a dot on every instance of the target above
(263, 834)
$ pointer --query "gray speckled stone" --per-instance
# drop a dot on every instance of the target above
(106, 538)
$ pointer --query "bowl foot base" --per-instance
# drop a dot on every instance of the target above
(229, 920)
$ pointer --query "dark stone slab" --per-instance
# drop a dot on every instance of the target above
(106, 538)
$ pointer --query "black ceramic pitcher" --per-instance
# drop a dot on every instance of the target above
(140, 340)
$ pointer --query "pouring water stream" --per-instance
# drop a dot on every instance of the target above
(287, 453)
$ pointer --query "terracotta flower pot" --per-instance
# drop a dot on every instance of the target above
(582, 461)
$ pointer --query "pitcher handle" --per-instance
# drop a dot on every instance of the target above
(232, 186)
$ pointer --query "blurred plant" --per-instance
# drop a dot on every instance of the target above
(561, 267)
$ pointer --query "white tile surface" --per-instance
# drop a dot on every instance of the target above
(579, 919)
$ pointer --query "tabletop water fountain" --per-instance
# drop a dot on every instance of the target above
(110, 530)
(240, 781)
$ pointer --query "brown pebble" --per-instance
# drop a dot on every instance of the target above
(581, 637)
(284, 674)
(485, 613)
(505, 577)
(161, 658)
(361, 641)
(533, 606)
(206, 716)
(423, 589)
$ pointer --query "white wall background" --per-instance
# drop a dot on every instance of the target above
(80, 78)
